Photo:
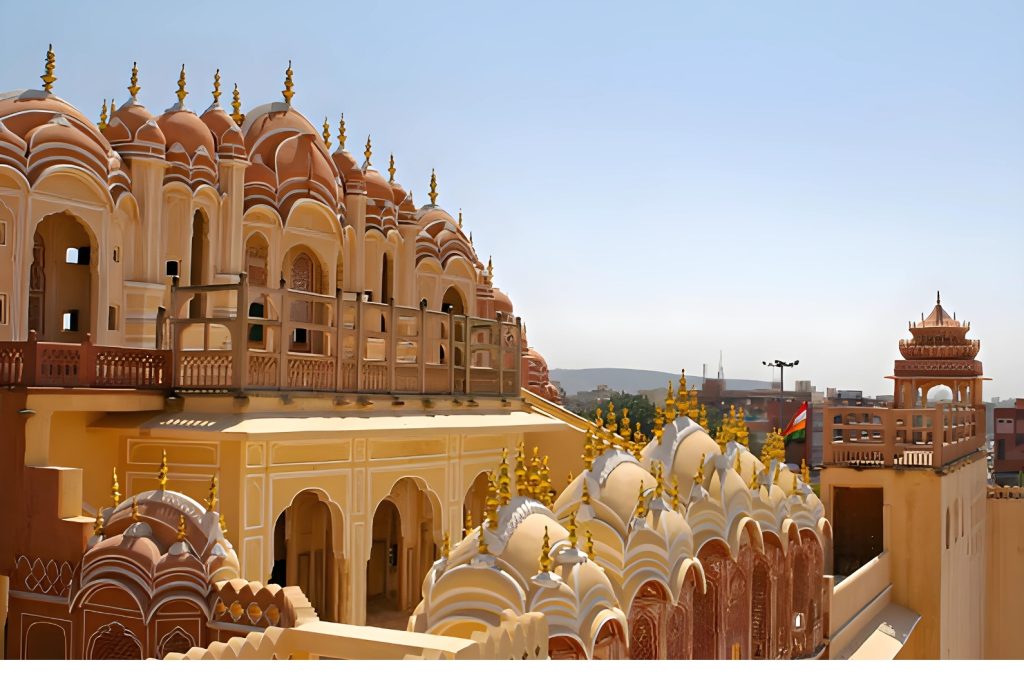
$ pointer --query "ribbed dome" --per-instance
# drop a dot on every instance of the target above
(377, 187)
(227, 136)
(133, 131)
(183, 127)
(303, 170)
(12, 149)
(60, 142)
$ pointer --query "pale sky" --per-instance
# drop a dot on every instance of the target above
(656, 181)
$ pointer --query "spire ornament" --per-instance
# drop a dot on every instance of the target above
(162, 474)
(368, 153)
(446, 545)
(670, 404)
(211, 500)
(115, 490)
(134, 87)
(223, 526)
(135, 510)
(288, 92)
(391, 169)
(326, 133)
(97, 529)
(181, 93)
(48, 77)
(236, 107)
(674, 493)
(641, 506)
(698, 479)
(433, 187)
(467, 524)
(572, 530)
(590, 545)
(504, 480)
(216, 88)
(341, 133)
(181, 528)
(103, 115)
(545, 553)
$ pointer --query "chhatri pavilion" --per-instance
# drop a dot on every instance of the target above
(258, 402)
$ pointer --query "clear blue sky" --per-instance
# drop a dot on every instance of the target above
(655, 181)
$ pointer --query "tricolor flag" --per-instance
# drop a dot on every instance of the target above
(796, 430)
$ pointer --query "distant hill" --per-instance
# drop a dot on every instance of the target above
(635, 380)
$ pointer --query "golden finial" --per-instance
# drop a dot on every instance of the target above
(794, 483)
(491, 501)
(326, 133)
(611, 424)
(135, 509)
(674, 493)
(736, 464)
(433, 187)
(446, 545)
(481, 545)
(624, 424)
(698, 479)
(97, 529)
(460, 219)
(134, 87)
(48, 77)
(703, 422)
(742, 433)
(504, 481)
(181, 528)
(368, 153)
(115, 490)
(341, 133)
(641, 507)
(211, 500)
(659, 423)
(753, 476)
(588, 450)
(774, 447)
(162, 474)
(683, 403)
(533, 482)
(288, 92)
(236, 107)
(520, 471)
(670, 404)
(103, 115)
(544, 486)
(659, 480)
(467, 524)
(391, 168)
(805, 471)
(216, 88)
(223, 526)
(778, 471)
(585, 498)
(590, 545)
(545, 554)
(181, 87)
(490, 267)
(572, 530)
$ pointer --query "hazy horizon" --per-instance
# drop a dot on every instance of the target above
(656, 182)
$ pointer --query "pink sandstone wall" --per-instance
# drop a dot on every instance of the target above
(1005, 576)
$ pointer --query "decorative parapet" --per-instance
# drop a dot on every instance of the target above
(1005, 493)
(36, 364)
(43, 576)
(518, 637)
(255, 605)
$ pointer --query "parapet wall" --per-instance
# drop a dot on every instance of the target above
(1004, 579)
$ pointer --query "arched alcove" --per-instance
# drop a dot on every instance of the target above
(62, 280)
(304, 553)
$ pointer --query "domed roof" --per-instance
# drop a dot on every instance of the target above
(269, 125)
(12, 149)
(24, 110)
(502, 303)
(183, 127)
(260, 184)
(349, 170)
(58, 141)
(133, 131)
(303, 170)
(377, 187)
(227, 136)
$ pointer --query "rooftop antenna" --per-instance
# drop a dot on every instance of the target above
(721, 370)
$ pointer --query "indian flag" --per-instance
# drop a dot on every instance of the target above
(796, 430)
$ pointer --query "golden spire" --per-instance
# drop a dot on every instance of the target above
(103, 116)
(162, 474)
(288, 92)
(753, 476)
(521, 485)
(674, 493)
(467, 524)
(181, 528)
(805, 471)
(326, 133)
(134, 87)
(533, 482)
(115, 490)
(433, 187)
(794, 484)
(736, 464)
(544, 487)
(774, 447)
(742, 433)
(504, 481)
(460, 219)
(703, 422)
(611, 424)
(236, 107)
(181, 87)
(135, 509)
(446, 545)
(659, 423)
(670, 404)
(97, 529)
(588, 449)
(585, 498)
(490, 265)
(659, 480)
(698, 478)
(368, 153)
(778, 471)
(624, 424)
(590, 545)
(211, 500)
(641, 507)
(48, 77)
(545, 554)
(491, 501)
(572, 530)
(216, 88)
(341, 133)
(391, 168)
(694, 406)
(683, 403)
(481, 546)
(223, 526)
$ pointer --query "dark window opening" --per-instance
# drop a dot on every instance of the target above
(256, 330)
(77, 256)
(857, 514)
(70, 320)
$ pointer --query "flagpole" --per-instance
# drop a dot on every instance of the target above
(782, 366)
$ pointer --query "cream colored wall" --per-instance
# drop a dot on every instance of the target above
(1004, 578)
(941, 585)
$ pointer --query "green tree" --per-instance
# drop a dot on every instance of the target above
(640, 410)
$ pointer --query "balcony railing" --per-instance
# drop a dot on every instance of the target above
(289, 340)
(37, 364)
(901, 437)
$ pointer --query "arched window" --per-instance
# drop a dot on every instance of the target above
(114, 642)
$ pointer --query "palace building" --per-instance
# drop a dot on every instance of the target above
(259, 403)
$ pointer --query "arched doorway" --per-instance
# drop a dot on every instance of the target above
(61, 280)
(198, 260)
(304, 553)
(402, 549)
(304, 273)
(610, 643)
(737, 604)
(647, 622)
(565, 648)
(679, 639)
(452, 302)
(708, 628)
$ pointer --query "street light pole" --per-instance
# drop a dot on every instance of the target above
(782, 366)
